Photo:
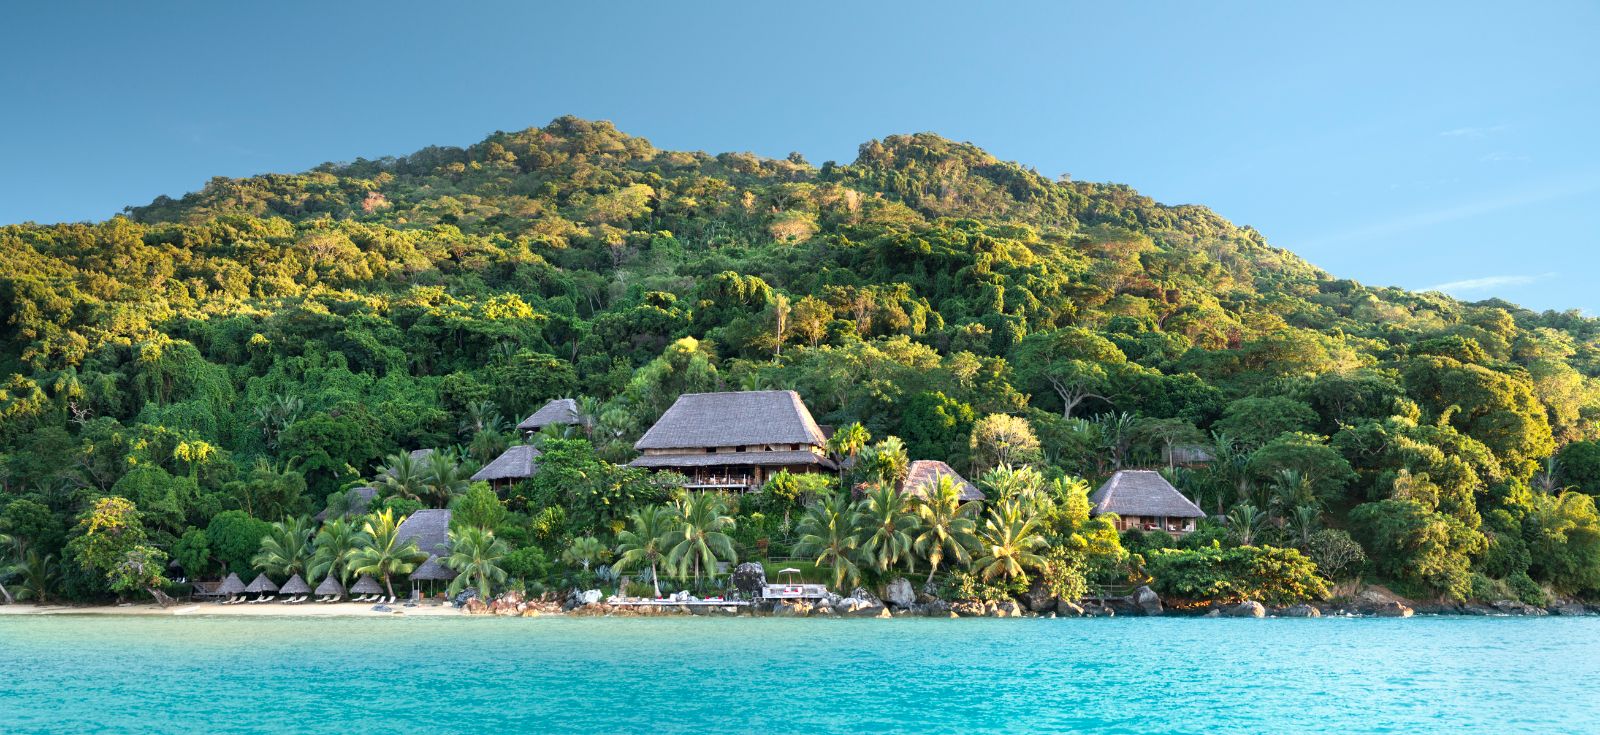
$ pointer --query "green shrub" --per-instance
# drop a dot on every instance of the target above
(1263, 573)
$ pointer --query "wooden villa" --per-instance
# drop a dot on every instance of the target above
(735, 441)
(1143, 499)
(512, 466)
(560, 412)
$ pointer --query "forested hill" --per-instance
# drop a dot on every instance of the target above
(305, 326)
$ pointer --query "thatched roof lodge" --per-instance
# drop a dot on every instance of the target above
(924, 474)
(430, 528)
(230, 586)
(735, 440)
(561, 411)
(1143, 499)
(512, 466)
(433, 569)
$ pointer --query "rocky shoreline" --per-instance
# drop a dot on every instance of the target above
(863, 603)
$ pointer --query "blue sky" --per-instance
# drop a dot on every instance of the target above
(1432, 145)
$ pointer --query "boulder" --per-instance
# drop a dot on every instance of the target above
(589, 597)
(749, 578)
(936, 608)
(846, 604)
(1068, 608)
(1213, 614)
(899, 593)
(1247, 609)
(868, 611)
(476, 606)
(1038, 597)
(1394, 609)
(1568, 608)
(1147, 601)
(967, 608)
(1301, 611)
(1007, 609)
(792, 610)
(884, 613)
(866, 597)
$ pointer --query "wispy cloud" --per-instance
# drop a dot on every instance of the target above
(1487, 283)
(1550, 190)
(1503, 156)
(1477, 131)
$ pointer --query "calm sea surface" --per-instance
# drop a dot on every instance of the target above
(92, 674)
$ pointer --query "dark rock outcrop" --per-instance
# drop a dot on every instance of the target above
(1247, 609)
(1300, 611)
(1146, 601)
(749, 578)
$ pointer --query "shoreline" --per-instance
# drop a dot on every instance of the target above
(350, 609)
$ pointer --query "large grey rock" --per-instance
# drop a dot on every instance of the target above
(1247, 609)
(588, 597)
(1569, 608)
(1147, 601)
(1068, 608)
(749, 578)
(1394, 609)
(868, 611)
(865, 595)
(899, 593)
(1038, 597)
(1301, 611)
(792, 610)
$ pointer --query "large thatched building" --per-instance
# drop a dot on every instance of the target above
(512, 466)
(559, 412)
(735, 441)
(431, 530)
(1143, 499)
(924, 474)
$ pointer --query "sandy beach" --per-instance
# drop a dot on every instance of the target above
(271, 609)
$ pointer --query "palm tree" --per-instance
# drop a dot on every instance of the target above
(482, 416)
(402, 477)
(333, 544)
(884, 464)
(382, 553)
(445, 477)
(38, 575)
(1303, 522)
(826, 532)
(947, 525)
(584, 552)
(885, 522)
(1007, 541)
(1291, 489)
(646, 542)
(286, 549)
(589, 409)
(1244, 523)
(700, 539)
(846, 441)
(7, 544)
(475, 554)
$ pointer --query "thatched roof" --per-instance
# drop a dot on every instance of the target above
(330, 586)
(733, 419)
(231, 586)
(431, 529)
(366, 585)
(923, 474)
(765, 459)
(433, 568)
(516, 463)
(261, 584)
(1142, 493)
(295, 586)
(558, 411)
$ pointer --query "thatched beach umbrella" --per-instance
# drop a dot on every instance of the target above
(230, 587)
(330, 587)
(366, 585)
(261, 584)
(295, 586)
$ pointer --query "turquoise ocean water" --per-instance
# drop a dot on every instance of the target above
(94, 674)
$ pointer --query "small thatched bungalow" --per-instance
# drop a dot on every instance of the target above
(560, 412)
(1143, 499)
(735, 441)
(432, 572)
(512, 466)
(230, 587)
(366, 585)
(430, 528)
(261, 584)
(925, 473)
